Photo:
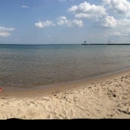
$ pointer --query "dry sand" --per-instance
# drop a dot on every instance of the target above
(104, 97)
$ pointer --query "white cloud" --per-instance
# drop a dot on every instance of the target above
(6, 29)
(108, 22)
(124, 22)
(119, 6)
(120, 34)
(96, 13)
(119, 27)
(47, 23)
(117, 33)
(62, 20)
(86, 10)
(124, 26)
(77, 22)
(70, 23)
(4, 34)
(24, 6)
(106, 2)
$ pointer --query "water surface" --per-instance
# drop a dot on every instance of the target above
(38, 65)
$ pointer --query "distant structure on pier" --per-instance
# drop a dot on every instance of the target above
(84, 43)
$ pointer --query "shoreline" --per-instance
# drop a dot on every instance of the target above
(107, 96)
(48, 89)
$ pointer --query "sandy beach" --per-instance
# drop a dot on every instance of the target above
(104, 97)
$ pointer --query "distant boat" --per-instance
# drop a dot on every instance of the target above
(84, 43)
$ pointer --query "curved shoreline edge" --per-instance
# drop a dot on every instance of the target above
(61, 87)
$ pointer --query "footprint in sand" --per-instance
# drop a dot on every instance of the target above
(19, 111)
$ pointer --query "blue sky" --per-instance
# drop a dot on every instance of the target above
(64, 21)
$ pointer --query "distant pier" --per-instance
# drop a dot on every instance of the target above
(108, 44)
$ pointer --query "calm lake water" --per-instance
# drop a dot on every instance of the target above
(39, 65)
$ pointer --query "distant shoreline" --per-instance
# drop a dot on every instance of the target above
(23, 44)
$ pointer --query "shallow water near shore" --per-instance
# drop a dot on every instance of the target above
(27, 66)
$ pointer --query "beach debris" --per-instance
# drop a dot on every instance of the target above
(0, 89)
